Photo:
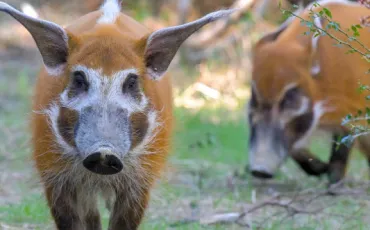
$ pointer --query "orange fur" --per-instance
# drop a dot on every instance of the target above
(285, 58)
(288, 59)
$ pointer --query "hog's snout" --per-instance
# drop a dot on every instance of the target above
(103, 163)
(261, 172)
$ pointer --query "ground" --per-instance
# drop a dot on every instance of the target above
(206, 174)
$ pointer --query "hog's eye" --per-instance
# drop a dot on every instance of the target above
(131, 83)
(79, 81)
(291, 98)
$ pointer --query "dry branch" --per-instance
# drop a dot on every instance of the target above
(220, 37)
(207, 36)
(221, 218)
(296, 204)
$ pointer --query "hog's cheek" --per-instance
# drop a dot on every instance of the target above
(139, 127)
(67, 121)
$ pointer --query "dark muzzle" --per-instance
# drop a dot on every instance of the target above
(104, 164)
(262, 174)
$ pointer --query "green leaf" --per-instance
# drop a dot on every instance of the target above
(316, 34)
(362, 88)
(351, 51)
(355, 31)
(327, 12)
(309, 24)
(367, 111)
(333, 25)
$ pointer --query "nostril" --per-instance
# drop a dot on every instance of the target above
(105, 164)
(113, 162)
(92, 160)
(261, 174)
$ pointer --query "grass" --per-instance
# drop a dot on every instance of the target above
(210, 148)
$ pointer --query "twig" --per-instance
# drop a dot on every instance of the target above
(221, 218)
(346, 34)
(291, 209)
(205, 37)
(290, 205)
(341, 42)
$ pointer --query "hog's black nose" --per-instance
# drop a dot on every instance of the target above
(261, 174)
(105, 164)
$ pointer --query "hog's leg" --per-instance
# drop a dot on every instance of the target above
(92, 220)
(309, 163)
(364, 142)
(63, 207)
(128, 210)
(338, 160)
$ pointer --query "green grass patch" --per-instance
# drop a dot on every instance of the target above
(33, 209)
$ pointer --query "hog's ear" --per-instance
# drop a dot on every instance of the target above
(50, 38)
(162, 45)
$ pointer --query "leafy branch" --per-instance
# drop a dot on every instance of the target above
(324, 13)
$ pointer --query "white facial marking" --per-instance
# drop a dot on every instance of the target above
(304, 106)
(53, 113)
(319, 109)
(285, 89)
(103, 91)
(111, 10)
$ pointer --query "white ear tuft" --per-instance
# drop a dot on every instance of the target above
(111, 10)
